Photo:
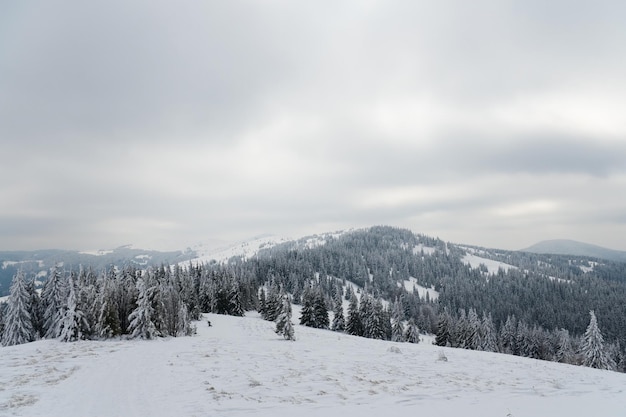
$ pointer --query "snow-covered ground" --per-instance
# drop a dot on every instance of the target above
(210, 252)
(426, 250)
(475, 261)
(411, 285)
(239, 367)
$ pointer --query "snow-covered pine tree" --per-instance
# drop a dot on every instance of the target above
(354, 325)
(488, 340)
(412, 333)
(18, 325)
(564, 350)
(320, 311)
(397, 329)
(472, 340)
(508, 333)
(444, 325)
(74, 325)
(184, 327)
(272, 301)
(339, 322)
(284, 325)
(54, 300)
(307, 313)
(261, 308)
(108, 322)
(36, 309)
(141, 319)
(592, 348)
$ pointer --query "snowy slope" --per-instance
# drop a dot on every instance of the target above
(239, 367)
(249, 248)
(475, 261)
(411, 286)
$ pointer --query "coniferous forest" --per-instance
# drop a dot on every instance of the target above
(557, 308)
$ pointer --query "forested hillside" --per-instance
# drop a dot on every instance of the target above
(382, 282)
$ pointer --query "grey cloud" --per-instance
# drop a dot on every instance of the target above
(97, 98)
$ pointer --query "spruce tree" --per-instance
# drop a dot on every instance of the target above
(18, 325)
(307, 313)
(283, 321)
(54, 299)
(397, 329)
(443, 337)
(141, 319)
(339, 322)
(321, 320)
(412, 333)
(354, 325)
(488, 340)
(74, 324)
(592, 349)
(564, 351)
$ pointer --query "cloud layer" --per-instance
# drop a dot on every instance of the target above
(162, 124)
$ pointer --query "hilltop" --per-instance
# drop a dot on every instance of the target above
(239, 367)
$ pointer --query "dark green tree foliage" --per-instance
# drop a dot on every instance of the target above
(444, 324)
(339, 322)
(354, 325)
(108, 322)
(314, 312)
(397, 329)
(307, 313)
(272, 303)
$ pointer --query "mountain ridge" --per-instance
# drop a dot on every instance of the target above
(575, 248)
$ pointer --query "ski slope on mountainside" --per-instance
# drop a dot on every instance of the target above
(239, 367)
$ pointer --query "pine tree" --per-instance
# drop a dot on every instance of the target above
(74, 325)
(307, 313)
(412, 333)
(339, 322)
(397, 329)
(141, 319)
(444, 324)
(18, 325)
(283, 322)
(54, 299)
(507, 336)
(488, 341)
(321, 320)
(108, 323)
(354, 325)
(564, 350)
(592, 347)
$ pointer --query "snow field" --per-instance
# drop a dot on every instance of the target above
(239, 367)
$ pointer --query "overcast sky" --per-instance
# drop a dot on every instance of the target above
(165, 123)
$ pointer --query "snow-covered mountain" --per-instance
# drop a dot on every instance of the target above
(239, 367)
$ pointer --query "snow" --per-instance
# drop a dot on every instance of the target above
(246, 249)
(240, 367)
(589, 268)
(99, 252)
(475, 261)
(411, 284)
(427, 250)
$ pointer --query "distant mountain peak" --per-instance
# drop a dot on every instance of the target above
(575, 248)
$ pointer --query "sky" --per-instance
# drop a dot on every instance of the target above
(163, 124)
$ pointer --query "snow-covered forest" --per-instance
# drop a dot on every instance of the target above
(350, 283)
